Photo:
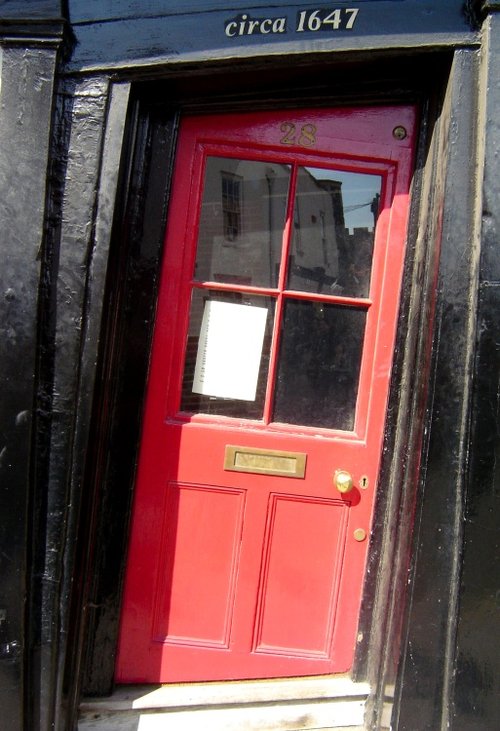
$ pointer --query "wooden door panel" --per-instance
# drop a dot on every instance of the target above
(198, 567)
(302, 552)
(270, 271)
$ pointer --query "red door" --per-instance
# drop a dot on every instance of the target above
(267, 394)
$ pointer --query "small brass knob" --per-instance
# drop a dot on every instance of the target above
(343, 481)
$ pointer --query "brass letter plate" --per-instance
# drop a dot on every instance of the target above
(265, 461)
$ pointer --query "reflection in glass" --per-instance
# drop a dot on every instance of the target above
(319, 364)
(242, 221)
(333, 232)
(241, 322)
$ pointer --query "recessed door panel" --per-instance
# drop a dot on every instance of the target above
(298, 584)
(197, 570)
(267, 395)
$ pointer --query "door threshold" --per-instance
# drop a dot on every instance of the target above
(290, 704)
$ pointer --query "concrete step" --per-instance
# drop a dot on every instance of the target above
(264, 705)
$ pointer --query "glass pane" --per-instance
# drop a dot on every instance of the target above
(319, 364)
(227, 356)
(333, 231)
(242, 220)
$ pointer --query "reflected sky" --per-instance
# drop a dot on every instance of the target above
(358, 192)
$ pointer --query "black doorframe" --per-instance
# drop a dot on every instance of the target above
(417, 668)
(130, 303)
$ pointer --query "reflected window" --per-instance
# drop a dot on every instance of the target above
(242, 221)
(231, 205)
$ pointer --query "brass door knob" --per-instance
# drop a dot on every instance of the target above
(343, 481)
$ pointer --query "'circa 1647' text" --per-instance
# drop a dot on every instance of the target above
(314, 20)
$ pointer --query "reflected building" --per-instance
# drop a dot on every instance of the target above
(243, 216)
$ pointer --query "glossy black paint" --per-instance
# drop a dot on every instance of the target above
(25, 120)
(477, 687)
(427, 665)
(132, 32)
(131, 296)
(386, 588)
(33, 22)
(42, 10)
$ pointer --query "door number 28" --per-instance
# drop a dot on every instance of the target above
(304, 136)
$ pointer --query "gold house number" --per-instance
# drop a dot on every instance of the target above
(305, 136)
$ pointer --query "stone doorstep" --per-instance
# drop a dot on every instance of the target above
(219, 722)
(128, 697)
(291, 704)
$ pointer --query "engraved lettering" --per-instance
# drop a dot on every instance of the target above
(312, 20)
(279, 25)
(326, 19)
(244, 25)
(265, 462)
(354, 14)
(300, 21)
(333, 19)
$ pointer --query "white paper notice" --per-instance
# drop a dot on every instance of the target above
(229, 350)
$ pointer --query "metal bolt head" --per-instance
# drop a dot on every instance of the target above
(399, 132)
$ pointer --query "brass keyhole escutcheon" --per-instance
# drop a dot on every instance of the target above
(343, 481)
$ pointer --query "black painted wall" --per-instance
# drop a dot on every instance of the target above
(25, 123)
(123, 33)
(450, 669)
(477, 687)
(426, 670)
